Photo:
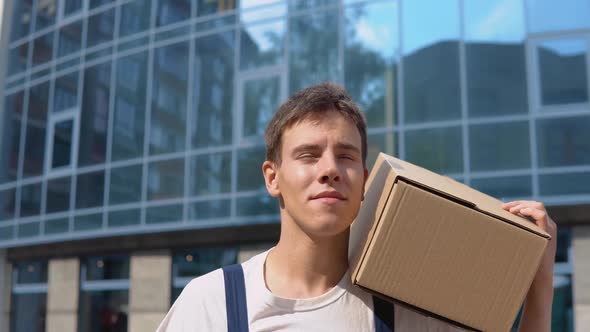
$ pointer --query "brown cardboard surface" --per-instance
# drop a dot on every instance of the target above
(442, 247)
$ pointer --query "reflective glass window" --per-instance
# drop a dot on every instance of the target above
(260, 100)
(211, 174)
(548, 15)
(10, 136)
(262, 204)
(42, 49)
(262, 44)
(313, 56)
(563, 72)
(250, 168)
(103, 310)
(306, 4)
(7, 232)
(31, 272)
(58, 195)
(71, 7)
(45, 14)
(210, 210)
(90, 190)
(384, 142)
(70, 39)
(563, 141)
(121, 218)
(56, 226)
(36, 130)
(169, 99)
(65, 93)
(213, 90)
(499, 146)
(106, 267)
(22, 19)
(431, 60)
(88, 222)
(134, 17)
(128, 122)
(172, 11)
(503, 188)
(101, 27)
(575, 183)
(7, 203)
(437, 149)
(163, 213)
(94, 115)
(206, 7)
(29, 304)
(30, 199)
(62, 144)
(495, 57)
(166, 179)
(125, 184)
(371, 41)
(17, 59)
(98, 3)
(29, 229)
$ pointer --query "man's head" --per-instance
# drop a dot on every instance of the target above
(312, 103)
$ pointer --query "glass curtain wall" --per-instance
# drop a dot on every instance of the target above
(28, 310)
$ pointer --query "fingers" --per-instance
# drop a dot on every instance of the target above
(540, 216)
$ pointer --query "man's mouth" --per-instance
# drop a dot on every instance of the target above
(331, 196)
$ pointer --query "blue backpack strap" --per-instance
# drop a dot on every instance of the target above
(235, 298)
(384, 315)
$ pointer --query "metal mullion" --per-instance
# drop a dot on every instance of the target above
(501, 173)
(433, 124)
(401, 137)
(104, 285)
(463, 95)
(236, 125)
(534, 102)
(32, 288)
(340, 45)
(189, 121)
(563, 169)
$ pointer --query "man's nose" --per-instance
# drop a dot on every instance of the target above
(329, 171)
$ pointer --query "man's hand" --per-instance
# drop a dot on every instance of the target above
(536, 314)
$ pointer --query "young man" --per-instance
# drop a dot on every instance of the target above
(315, 165)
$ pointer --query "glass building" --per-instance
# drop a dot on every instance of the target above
(131, 131)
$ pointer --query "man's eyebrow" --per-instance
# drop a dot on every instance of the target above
(347, 146)
(306, 147)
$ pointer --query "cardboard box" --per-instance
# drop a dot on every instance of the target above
(442, 248)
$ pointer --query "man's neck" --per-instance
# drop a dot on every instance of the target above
(303, 267)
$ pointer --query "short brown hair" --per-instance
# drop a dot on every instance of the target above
(312, 102)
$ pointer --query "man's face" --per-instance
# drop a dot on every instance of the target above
(321, 177)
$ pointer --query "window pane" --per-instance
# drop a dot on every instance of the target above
(45, 15)
(42, 49)
(28, 312)
(128, 124)
(103, 311)
(134, 17)
(564, 184)
(72, 6)
(548, 15)
(495, 57)
(94, 115)
(165, 213)
(262, 45)
(22, 19)
(18, 57)
(263, 204)
(370, 65)
(65, 93)
(62, 144)
(7, 232)
(197, 262)
(562, 69)
(210, 209)
(30, 229)
(7, 203)
(58, 195)
(438, 149)
(88, 222)
(9, 149)
(513, 187)
(31, 272)
(36, 128)
(125, 184)
(213, 90)
(169, 97)
(172, 11)
(70, 39)
(564, 142)
(499, 146)
(90, 190)
(98, 3)
(431, 60)
(206, 7)
(56, 226)
(250, 168)
(30, 200)
(106, 267)
(211, 174)
(386, 143)
(166, 179)
(307, 4)
(101, 27)
(260, 101)
(315, 59)
(124, 218)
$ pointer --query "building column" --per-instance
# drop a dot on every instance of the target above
(5, 291)
(581, 282)
(150, 287)
(63, 288)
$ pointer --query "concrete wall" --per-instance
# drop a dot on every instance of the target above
(5, 291)
(149, 295)
(63, 285)
(581, 251)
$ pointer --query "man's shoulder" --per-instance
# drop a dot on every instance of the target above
(210, 284)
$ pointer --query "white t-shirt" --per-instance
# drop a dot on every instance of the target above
(201, 307)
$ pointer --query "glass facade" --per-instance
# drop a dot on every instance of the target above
(29, 297)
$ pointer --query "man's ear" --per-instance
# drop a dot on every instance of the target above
(269, 171)
(366, 176)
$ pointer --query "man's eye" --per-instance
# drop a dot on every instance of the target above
(347, 156)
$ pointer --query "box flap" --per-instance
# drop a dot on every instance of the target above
(458, 192)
